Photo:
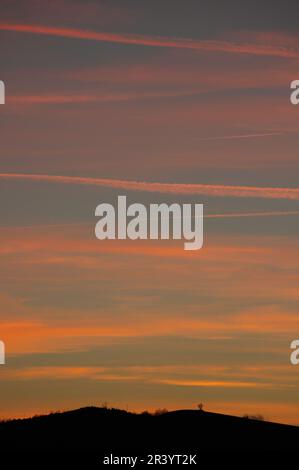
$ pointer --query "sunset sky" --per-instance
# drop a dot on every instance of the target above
(162, 101)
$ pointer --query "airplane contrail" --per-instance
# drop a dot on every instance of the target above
(224, 215)
(215, 190)
(241, 136)
(228, 215)
(155, 41)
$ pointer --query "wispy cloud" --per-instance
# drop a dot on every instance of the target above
(215, 190)
(214, 383)
(155, 41)
(49, 99)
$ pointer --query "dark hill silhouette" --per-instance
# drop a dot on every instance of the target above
(106, 431)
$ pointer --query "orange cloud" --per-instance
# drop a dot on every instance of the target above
(106, 374)
(214, 383)
(33, 336)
